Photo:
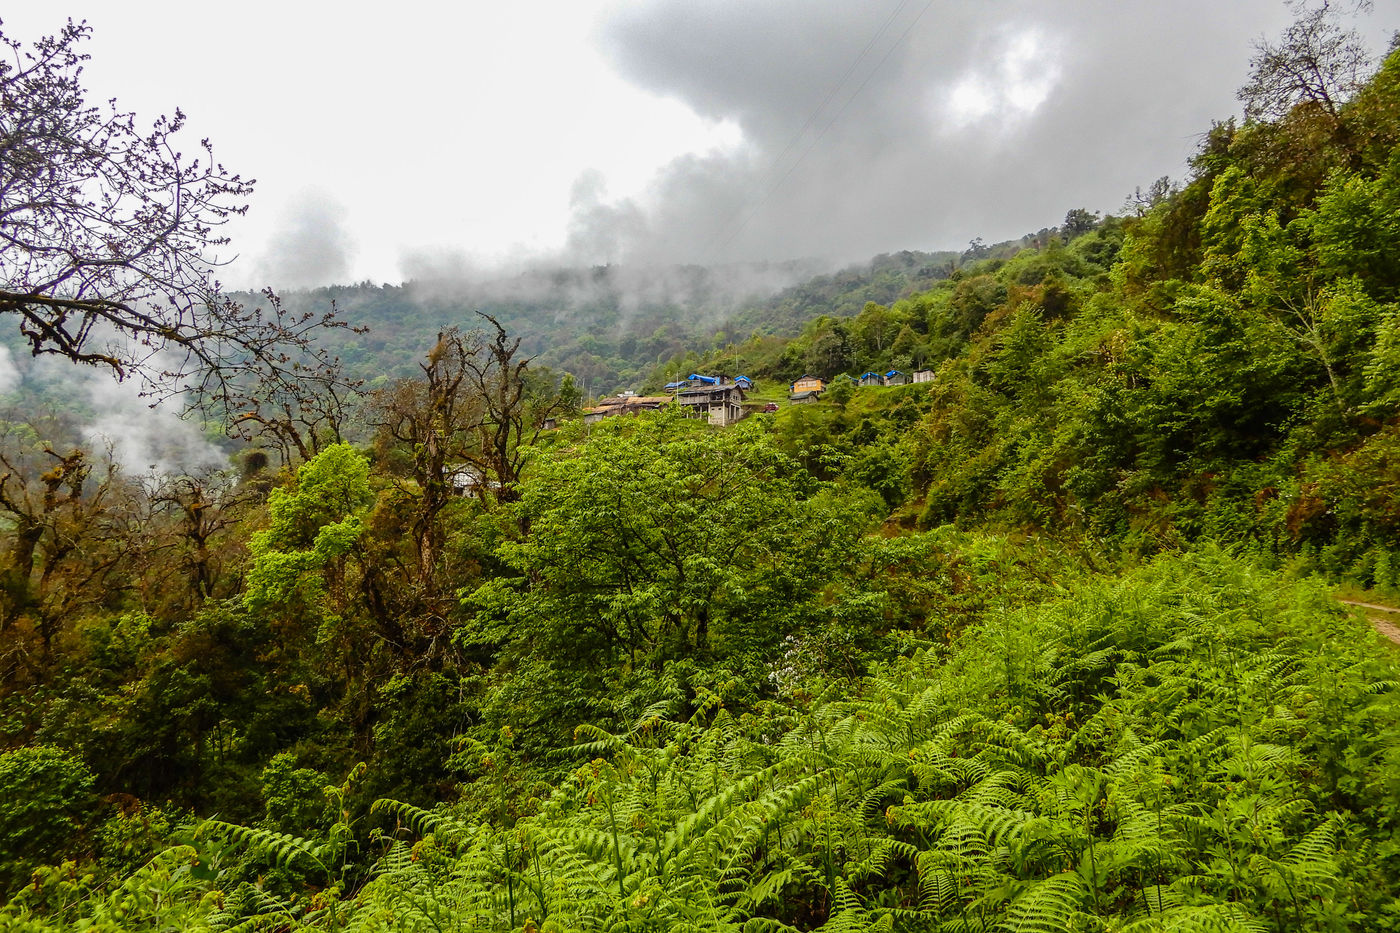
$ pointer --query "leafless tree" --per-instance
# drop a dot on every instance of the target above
(1140, 202)
(512, 410)
(1316, 61)
(432, 418)
(466, 422)
(188, 516)
(109, 232)
(297, 406)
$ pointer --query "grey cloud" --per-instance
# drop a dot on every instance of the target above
(599, 230)
(1135, 82)
(146, 439)
(310, 247)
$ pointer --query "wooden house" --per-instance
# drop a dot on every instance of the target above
(720, 404)
(896, 378)
(871, 379)
(627, 404)
(468, 480)
(923, 375)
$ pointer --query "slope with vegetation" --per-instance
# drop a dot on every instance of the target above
(609, 325)
(1048, 644)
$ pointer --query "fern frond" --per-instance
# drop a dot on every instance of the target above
(1320, 845)
(602, 744)
(440, 823)
(284, 848)
(1206, 918)
(1048, 906)
(870, 805)
(938, 886)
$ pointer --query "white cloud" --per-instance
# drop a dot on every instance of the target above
(144, 439)
(1011, 87)
(10, 376)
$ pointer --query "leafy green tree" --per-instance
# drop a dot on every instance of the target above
(300, 558)
(1355, 229)
(829, 353)
(48, 804)
(663, 540)
(1234, 200)
(1078, 222)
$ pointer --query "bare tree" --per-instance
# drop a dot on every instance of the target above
(1315, 61)
(510, 415)
(189, 516)
(1140, 202)
(432, 418)
(109, 231)
(296, 406)
(464, 425)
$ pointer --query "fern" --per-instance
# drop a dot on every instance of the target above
(1048, 906)
(285, 849)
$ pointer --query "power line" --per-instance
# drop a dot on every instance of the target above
(840, 82)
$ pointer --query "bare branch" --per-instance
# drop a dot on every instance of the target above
(110, 233)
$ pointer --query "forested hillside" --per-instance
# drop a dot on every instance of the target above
(608, 326)
(1049, 643)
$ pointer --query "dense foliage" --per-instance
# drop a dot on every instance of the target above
(1192, 746)
(1048, 643)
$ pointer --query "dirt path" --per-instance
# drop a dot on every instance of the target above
(1382, 618)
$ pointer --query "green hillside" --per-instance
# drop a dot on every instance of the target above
(1051, 642)
(608, 326)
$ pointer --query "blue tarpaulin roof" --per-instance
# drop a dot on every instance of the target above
(893, 372)
(708, 380)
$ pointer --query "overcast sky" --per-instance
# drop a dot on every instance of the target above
(419, 138)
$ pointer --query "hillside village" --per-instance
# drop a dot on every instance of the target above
(723, 400)
(1030, 604)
